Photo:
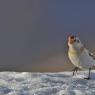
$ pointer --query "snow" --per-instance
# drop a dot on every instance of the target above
(59, 83)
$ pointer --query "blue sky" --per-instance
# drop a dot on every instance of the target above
(33, 33)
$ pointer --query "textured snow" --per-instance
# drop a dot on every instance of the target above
(60, 83)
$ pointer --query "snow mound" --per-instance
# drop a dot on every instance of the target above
(60, 83)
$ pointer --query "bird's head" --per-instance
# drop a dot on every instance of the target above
(74, 41)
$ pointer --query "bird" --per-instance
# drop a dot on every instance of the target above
(79, 56)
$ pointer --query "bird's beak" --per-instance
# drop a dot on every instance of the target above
(71, 39)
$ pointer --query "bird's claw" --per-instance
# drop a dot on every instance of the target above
(87, 78)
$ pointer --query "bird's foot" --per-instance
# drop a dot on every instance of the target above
(75, 70)
(88, 78)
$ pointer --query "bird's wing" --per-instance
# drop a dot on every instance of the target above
(91, 55)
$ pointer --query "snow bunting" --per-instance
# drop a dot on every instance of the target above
(79, 55)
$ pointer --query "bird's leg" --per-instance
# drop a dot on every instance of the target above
(88, 74)
(75, 70)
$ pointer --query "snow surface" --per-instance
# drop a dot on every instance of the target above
(60, 83)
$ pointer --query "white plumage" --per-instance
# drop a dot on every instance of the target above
(79, 55)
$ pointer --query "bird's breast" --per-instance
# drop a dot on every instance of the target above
(73, 52)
